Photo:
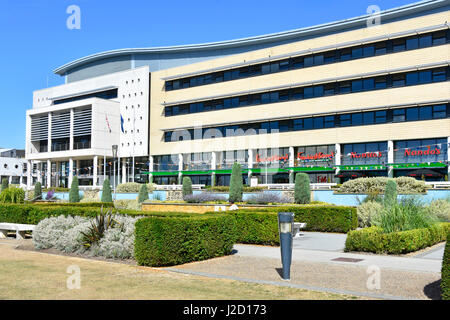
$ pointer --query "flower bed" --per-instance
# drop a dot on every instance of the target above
(374, 240)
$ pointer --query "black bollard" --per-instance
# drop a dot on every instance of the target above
(285, 225)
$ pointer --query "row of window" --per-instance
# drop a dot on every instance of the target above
(440, 111)
(108, 94)
(328, 89)
(332, 56)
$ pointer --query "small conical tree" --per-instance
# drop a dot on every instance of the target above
(236, 186)
(5, 184)
(37, 190)
(390, 194)
(187, 187)
(106, 191)
(143, 193)
(74, 193)
(302, 190)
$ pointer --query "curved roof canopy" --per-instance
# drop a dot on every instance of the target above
(302, 33)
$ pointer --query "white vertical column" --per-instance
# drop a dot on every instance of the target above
(291, 157)
(124, 170)
(390, 158)
(250, 158)
(118, 170)
(71, 130)
(213, 160)
(49, 173)
(70, 171)
(448, 158)
(29, 174)
(49, 139)
(39, 172)
(95, 174)
(337, 158)
(9, 179)
(180, 167)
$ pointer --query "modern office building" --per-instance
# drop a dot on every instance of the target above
(366, 96)
(13, 166)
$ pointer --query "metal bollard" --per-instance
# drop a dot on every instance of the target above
(285, 226)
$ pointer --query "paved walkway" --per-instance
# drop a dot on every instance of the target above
(400, 277)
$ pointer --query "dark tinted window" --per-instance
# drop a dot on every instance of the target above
(412, 114)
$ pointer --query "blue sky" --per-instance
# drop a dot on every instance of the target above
(35, 39)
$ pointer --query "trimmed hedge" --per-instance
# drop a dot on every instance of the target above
(374, 240)
(445, 272)
(33, 214)
(261, 227)
(175, 240)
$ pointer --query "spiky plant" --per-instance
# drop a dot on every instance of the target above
(98, 226)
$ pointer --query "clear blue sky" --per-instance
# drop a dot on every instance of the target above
(35, 39)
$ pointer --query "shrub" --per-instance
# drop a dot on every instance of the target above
(12, 195)
(390, 194)
(261, 226)
(5, 184)
(133, 187)
(226, 189)
(173, 240)
(445, 271)
(98, 227)
(74, 194)
(143, 194)
(266, 198)
(375, 240)
(187, 187)
(106, 191)
(50, 194)
(367, 212)
(407, 215)
(37, 191)
(204, 197)
(440, 209)
(127, 204)
(236, 185)
(302, 191)
(405, 185)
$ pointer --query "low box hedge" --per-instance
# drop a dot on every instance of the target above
(445, 272)
(261, 226)
(32, 214)
(165, 241)
(374, 240)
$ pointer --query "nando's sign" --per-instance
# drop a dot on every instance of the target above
(301, 156)
(420, 153)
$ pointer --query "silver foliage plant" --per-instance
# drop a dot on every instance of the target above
(64, 234)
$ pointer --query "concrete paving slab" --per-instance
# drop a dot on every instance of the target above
(320, 241)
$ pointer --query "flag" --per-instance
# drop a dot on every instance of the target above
(121, 123)
(107, 122)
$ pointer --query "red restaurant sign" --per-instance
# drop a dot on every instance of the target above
(317, 156)
(272, 158)
(376, 154)
(435, 151)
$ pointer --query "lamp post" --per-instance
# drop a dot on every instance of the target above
(285, 226)
(114, 152)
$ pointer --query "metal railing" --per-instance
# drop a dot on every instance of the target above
(81, 145)
(178, 187)
(291, 186)
(61, 147)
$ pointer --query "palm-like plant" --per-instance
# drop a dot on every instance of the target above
(99, 225)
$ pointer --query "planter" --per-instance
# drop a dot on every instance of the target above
(196, 207)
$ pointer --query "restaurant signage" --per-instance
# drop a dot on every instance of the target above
(376, 154)
(429, 151)
(317, 156)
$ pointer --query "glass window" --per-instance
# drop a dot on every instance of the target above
(346, 54)
(439, 38)
(345, 87)
(284, 126)
(329, 122)
(309, 61)
(274, 67)
(380, 117)
(218, 104)
(399, 45)
(200, 80)
(329, 89)
(176, 84)
(425, 76)
(369, 50)
(412, 114)
(235, 74)
(227, 75)
(357, 85)
(169, 85)
(412, 79)
(167, 111)
(265, 98)
(256, 99)
(329, 57)
(398, 115)
(284, 65)
(318, 123)
(255, 70)
(265, 69)
(185, 83)
(425, 41)
(380, 48)
(274, 97)
(298, 124)
(440, 111)
(218, 77)
(439, 75)
(193, 82)
(398, 80)
(308, 123)
(274, 126)
(235, 102)
(425, 113)
(345, 120)
(227, 103)
(380, 82)
(308, 92)
(368, 117)
(243, 101)
(207, 106)
(297, 62)
(175, 110)
(357, 119)
(318, 91)
(369, 84)
(243, 72)
(357, 52)
(297, 93)
(318, 59)
(284, 95)
(412, 43)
